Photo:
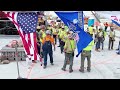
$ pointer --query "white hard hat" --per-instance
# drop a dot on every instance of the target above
(71, 32)
(100, 28)
(48, 32)
(38, 27)
(63, 27)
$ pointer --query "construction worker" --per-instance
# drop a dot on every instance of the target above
(118, 48)
(96, 32)
(41, 21)
(69, 48)
(91, 30)
(86, 53)
(111, 38)
(106, 26)
(38, 40)
(103, 38)
(59, 32)
(118, 44)
(54, 32)
(100, 39)
(47, 42)
(42, 33)
(50, 28)
(62, 36)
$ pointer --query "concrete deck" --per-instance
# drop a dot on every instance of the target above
(105, 65)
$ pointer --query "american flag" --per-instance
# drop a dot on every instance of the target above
(26, 24)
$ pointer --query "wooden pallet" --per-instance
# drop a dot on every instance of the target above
(8, 53)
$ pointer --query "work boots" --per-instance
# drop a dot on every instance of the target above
(88, 69)
(63, 69)
(44, 67)
(70, 71)
(81, 69)
(52, 64)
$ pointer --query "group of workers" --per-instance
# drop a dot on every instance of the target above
(99, 37)
(47, 40)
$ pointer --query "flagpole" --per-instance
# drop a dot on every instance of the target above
(80, 19)
(16, 57)
(80, 22)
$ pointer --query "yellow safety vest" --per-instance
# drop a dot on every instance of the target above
(43, 35)
(112, 34)
(70, 45)
(62, 34)
(59, 31)
(54, 31)
(89, 47)
(65, 37)
(90, 30)
(49, 28)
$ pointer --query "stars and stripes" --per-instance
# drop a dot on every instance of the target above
(26, 24)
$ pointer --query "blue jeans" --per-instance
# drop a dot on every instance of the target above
(45, 53)
(97, 44)
(102, 44)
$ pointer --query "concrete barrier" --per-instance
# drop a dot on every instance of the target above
(8, 53)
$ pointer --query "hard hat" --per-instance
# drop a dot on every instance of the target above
(38, 27)
(48, 32)
(100, 28)
(42, 26)
(62, 26)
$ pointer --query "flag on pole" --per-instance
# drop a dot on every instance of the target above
(26, 24)
(75, 22)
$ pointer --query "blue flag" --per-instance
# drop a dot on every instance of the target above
(75, 22)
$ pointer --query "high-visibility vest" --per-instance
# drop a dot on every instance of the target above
(54, 31)
(90, 30)
(112, 33)
(59, 31)
(70, 46)
(43, 35)
(89, 47)
(62, 34)
(65, 36)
